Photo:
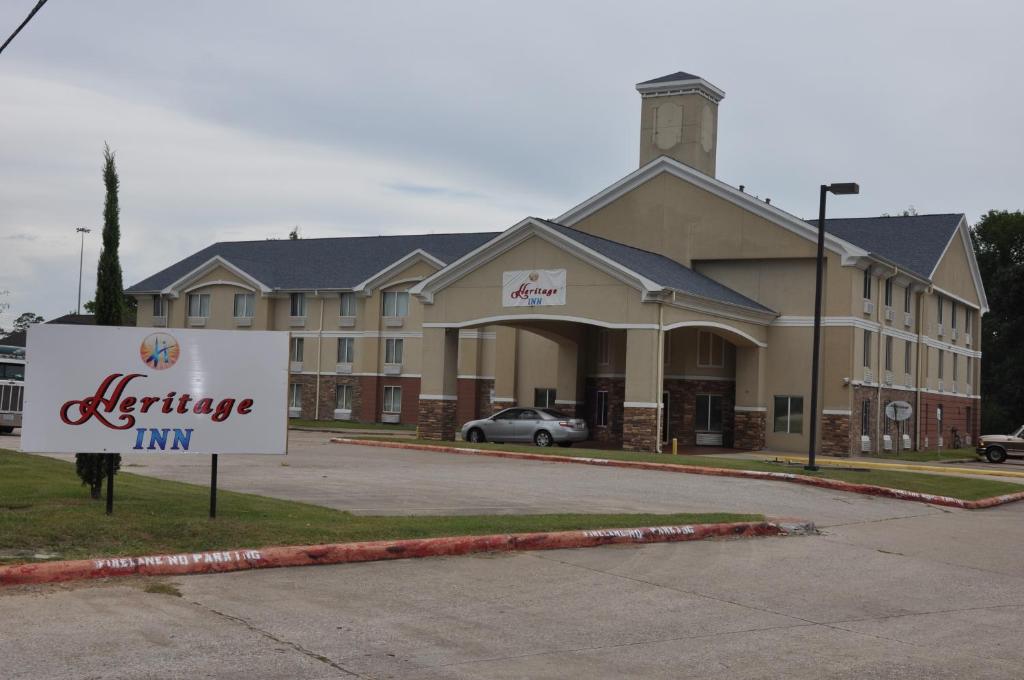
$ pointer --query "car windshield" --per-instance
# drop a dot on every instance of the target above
(1019, 432)
(557, 415)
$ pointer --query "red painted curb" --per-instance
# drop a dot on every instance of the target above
(835, 484)
(341, 553)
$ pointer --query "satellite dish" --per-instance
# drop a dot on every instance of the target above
(898, 410)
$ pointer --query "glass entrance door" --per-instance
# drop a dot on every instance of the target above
(708, 420)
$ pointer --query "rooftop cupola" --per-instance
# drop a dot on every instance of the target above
(679, 119)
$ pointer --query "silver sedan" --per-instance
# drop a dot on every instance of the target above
(542, 426)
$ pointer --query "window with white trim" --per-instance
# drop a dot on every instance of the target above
(888, 352)
(346, 350)
(969, 363)
(789, 414)
(395, 303)
(295, 395)
(298, 345)
(158, 305)
(867, 349)
(393, 350)
(867, 284)
(942, 359)
(601, 408)
(343, 398)
(952, 316)
(906, 356)
(956, 366)
(938, 302)
(865, 418)
(888, 292)
(392, 399)
(348, 305)
(544, 397)
(968, 320)
(907, 299)
(710, 350)
(245, 305)
(199, 304)
(297, 306)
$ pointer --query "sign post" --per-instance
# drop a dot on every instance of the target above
(898, 411)
(157, 392)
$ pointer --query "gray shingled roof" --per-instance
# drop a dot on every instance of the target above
(671, 77)
(317, 263)
(915, 242)
(658, 268)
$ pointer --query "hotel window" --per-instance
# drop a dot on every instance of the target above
(952, 315)
(968, 320)
(297, 347)
(906, 356)
(396, 303)
(298, 304)
(245, 305)
(348, 304)
(343, 398)
(392, 399)
(295, 395)
(346, 350)
(888, 352)
(867, 284)
(604, 353)
(867, 349)
(906, 299)
(865, 418)
(158, 305)
(199, 304)
(544, 397)
(888, 292)
(938, 299)
(393, 350)
(789, 415)
(956, 367)
(601, 408)
(942, 358)
(969, 363)
(711, 350)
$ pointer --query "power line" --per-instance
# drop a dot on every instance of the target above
(39, 6)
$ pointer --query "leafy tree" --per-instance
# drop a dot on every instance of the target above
(293, 235)
(999, 245)
(25, 320)
(131, 309)
(110, 307)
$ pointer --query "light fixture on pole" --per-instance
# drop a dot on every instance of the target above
(81, 255)
(838, 189)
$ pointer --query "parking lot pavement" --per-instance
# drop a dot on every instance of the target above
(371, 480)
(937, 596)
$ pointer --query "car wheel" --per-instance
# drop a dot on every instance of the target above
(476, 435)
(994, 454)
(565, 445)
(542, 438)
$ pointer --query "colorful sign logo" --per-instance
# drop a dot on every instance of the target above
(159, 351)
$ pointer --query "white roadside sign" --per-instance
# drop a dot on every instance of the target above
(533, 288)
(105, 389)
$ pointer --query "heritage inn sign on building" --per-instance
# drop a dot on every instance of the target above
(667, 305)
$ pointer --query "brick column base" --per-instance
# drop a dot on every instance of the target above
(748, 430)
(835, 435)
(437, 419)
(639, 428)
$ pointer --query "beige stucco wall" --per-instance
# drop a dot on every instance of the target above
(689, 149)
(954, 272)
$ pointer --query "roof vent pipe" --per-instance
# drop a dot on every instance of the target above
(768, 201)
(742, 187)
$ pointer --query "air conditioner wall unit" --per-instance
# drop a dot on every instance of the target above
(887, 442)
(908, 319)
(869, 307)
(865, 444)
(889, 314)
(906, 442)
(956, 333)
(940, 330)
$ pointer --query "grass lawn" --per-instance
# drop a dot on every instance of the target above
(44, 509)
(347, 425)
(935, 456)
(956, 487)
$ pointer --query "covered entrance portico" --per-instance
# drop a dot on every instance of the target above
(633, 352)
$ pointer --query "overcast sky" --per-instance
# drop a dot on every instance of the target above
(240, 120)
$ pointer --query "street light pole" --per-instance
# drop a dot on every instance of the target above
(838, 189)
(81, 256)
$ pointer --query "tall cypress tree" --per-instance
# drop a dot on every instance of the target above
(110, 307)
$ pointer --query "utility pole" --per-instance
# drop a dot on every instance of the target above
(81, 256)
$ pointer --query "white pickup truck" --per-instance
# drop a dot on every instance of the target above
(12, 387)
